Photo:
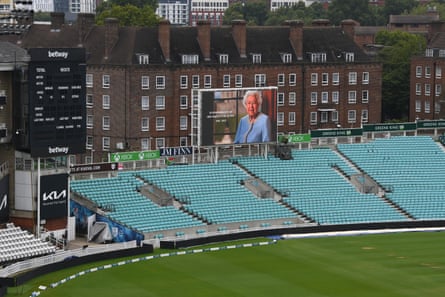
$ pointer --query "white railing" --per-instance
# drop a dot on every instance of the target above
(63, 255)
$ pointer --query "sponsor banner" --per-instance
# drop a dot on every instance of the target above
(295, 138)
(4, 206)
(430, 124)
(337, 133)
(390, 127)
(53, 196)
(135, 156)
(176, 151)
(96, 167)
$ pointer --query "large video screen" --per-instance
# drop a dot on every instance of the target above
(57, 108)
(237, 116)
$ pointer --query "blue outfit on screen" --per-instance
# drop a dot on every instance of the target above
(258, 131)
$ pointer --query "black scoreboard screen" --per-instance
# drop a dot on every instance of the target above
(57, 107)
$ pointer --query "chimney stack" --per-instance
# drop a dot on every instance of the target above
(85, 21)
(296, 37)
(239, 36)
(204, 38)
(321, 23)
(348, 26)
(164, 38)
(111, 35)
(57, 20)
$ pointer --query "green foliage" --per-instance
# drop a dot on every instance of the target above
(129, 15)
(399, 47)
(358, 10)
(105, 5)
(297, 12)
(254, 13)
(439, 6)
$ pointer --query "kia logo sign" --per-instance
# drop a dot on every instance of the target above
(54, 195)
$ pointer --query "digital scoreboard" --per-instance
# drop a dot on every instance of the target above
(57, 107)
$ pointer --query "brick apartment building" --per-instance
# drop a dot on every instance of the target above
(141, 82)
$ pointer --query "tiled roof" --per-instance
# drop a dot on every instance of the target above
(438, 41)
(10, 53)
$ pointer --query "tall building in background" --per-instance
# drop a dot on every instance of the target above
(175, 11)
(211, 10)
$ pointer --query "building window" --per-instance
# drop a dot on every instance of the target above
(89, 144)
(160, 82)
(207, 81)
(334, 116)
(351, 116)
(223, 59)
(418, 106)
(286, 58)
(313, 117)
(239, 81)
(438, 71)
(418, 71)
(89, 100)
(160, 142)
(335, 97)
(106, 101)
(105, 81)
(90, 121)
(364, 116)
(160, 102)
(427, 72)
(280, 80)
(349, 57)
(418, 89)
(145, 144)
(256, 58)
(324, 117)
(142, 59)
(324, 97)
(145, 103)
(324, 79)
(195, 81)
(145, 124)
(292, 118)
(429, 52)
(352, 97)
(437, 107)
(441, 53)
(145, 82)
(318, 57)
(183, 122)
(183, 141)
(160, 123)
(105, 143)
(89, 81)
(292, 98)
(183, 82)
(427, 89)
(280, 118)
(292, 79)
(313, 98)
(365, 96)
(190, 59)
(335, 79)
(352, 78)
(280, 99)
(183, 101)
(314, 79)
(260, 80)
(438, 90)
(365, 78)
(427, 107)
(105, 123)
(226, 80)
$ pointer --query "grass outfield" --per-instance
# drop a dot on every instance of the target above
(392, 265)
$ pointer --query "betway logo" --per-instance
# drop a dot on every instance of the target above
(58, 150)
(54, 195)
(57, 54)
(4, 202)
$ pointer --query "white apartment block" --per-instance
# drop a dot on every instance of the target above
(67, 6)
(176, 11)
(275, 4)
(212, 10)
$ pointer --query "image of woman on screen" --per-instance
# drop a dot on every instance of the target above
(255, 126)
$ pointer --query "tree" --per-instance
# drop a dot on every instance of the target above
(399, 47)
(396, 7)
(358, 10)
(296, 12)
(129, 15)
(106, 5)
(254, 13)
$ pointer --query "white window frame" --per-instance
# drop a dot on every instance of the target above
(89, 142)
(335, 79)
(418, 106)
(89, 80)
(335, 95)
(352, 116)
(160, 123)
(292, 79)
(105, 143)
(89, 101)
(256, 58)
(226, 81)
(427, 106)
(145, 102)
(352, 78)
(280, 118)
(145, 82)
(280, 99)
(325, 79)
(207, 81)
(324, 97)
(314, 79)
(418, 71)
(160, 142)
(106, 101)
(223, 59)
(145, 124)
(365, 96)
(365, 115)
(90, 121)
(334, 116)
(292, 118)
(160, 82)
(427, 71)
(314, 98)
(183, 101)
(106, 123)
(195, 81)
(292, 98)
(260, 80)
(352, 97)
(281, 80)
(427, 89)
(313, 117)
(238, 80)
(365, 78)
(183, 81)
(145, 144)
(183, 122)
(418, 89)
(324, 117)
(160, 102)
(106, 81)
